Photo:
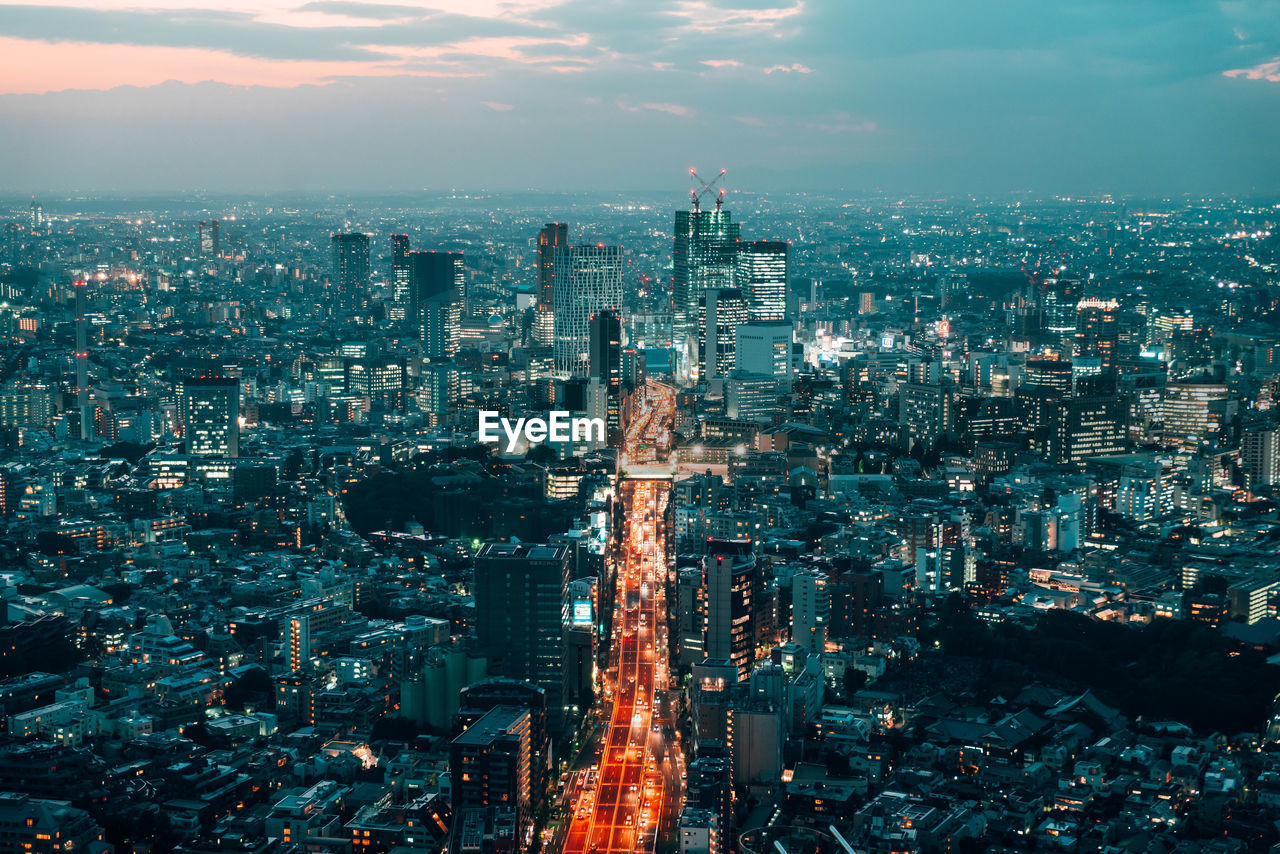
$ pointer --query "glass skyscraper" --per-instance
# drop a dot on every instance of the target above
(762, 276)
(705, 256)
(587, 280)
(436, 281)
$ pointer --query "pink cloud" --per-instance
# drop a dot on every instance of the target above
(33, 67)
(1269, 71)
(498, 107)
(722, 63)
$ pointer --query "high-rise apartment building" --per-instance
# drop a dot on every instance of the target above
(491, 765)
(400, 278)
(606, 366)
(209, 411)
(762, 276)
(586, 280)
(209, 239)
(350, 270)
(436, 281)
(1260, 456)
(729, 576)
(552, 237)
(810, 610)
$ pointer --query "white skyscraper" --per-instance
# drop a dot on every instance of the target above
(587, 279)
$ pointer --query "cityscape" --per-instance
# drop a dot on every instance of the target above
(621, 427)
(913, 525)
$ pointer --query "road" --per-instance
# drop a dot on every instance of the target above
(634, 794)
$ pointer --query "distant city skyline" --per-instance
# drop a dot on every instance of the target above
(917, 97)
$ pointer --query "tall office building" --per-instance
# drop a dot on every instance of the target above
(436, 281)
(520, 601)
(762, 277)
(400, 277)
(209, 242)
(729, 579)
(606, 366)
(720, 312)
(552, 237)
(705, 256)
(1198, 413)
(1049, 373)
(810, 610)
(1080, 427)
(1097, 335)
(209, 411)
(350, 270)
(586, 280)
(764, 347)
(1059, 307)
(1260, 456)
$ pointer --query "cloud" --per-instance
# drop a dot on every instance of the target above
(497, 106)
(1269, 71)
(750, 121)
(722, 63)
(368, 11)
(842, 123)
(672, 109)
(793, 67)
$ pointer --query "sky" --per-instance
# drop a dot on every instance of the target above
(927, 97)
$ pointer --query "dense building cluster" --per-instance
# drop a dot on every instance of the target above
(972, 535)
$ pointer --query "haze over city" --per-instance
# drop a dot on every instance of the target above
(981, 97)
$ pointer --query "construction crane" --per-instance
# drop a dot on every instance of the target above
(696, 195)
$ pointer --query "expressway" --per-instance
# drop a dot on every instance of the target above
(634, 790)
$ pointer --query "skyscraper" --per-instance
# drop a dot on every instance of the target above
(520, 596)
(400, 276)
(810, 610)
(729, 579)
(1097, 335)
(764, 347)
(762, 277)
(606, 364)
(720, 312)
(1260, 456)
(350, 270)
(209, 409)
(209, 242)
(705, 256)
(1059, 306)
(435, 300)
(553, 236)
(1080, 427)
(586, 280)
